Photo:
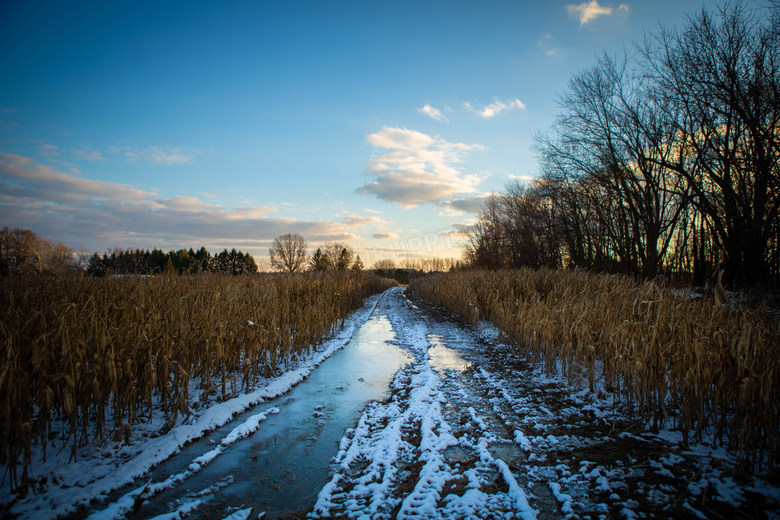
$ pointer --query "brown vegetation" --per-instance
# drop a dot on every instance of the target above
(83, 358)
(22, 252)
(702, 365)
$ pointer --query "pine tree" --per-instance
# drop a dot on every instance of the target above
(319, 261)
(95, 266)
(344, 260)
(358, 265)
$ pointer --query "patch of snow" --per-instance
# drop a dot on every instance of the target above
(180, 512)
(242, 514)
(563, 498)
(93, 477)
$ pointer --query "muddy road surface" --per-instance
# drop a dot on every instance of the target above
(421, 416)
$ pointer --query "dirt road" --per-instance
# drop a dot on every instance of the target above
(457, 425)
(472, 430)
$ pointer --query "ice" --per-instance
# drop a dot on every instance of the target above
(442, 437)
(96, 477)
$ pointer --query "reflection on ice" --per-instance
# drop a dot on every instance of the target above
(281, 466)
(443, 358)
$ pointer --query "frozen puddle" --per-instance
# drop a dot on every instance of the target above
(279, 452)
(443, 358)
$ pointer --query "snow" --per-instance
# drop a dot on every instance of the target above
(518, 496)
(376, 457)
(95, 475)
(561, 497)
(242, 514)
(180, 512)
(458, 437)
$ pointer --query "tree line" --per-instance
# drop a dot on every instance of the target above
(289, 253)
(22, 252)
(665, 161)
(183, 261)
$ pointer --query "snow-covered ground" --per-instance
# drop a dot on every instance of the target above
(473, 431)
(468, 430)
(64, 487)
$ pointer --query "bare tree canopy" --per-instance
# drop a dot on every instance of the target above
(384, 263)
(288, 253)
(332, 256)
(24, 252)
(664, 161)
(718, 82)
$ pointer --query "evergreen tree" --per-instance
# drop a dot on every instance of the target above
(169, 268)
(158, 261)
(358, 265)
(319, 261)
(95, 266)
(250, 266)
(204, 259)
(344, 260)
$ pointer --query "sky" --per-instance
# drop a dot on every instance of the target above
(382, 125)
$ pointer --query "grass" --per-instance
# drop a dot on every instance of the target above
(704, 366)
(85, 358)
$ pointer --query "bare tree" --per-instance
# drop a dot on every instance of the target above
(668, 156)
(610, 136)
(338, 255)
(52, 257)
(384, 263)
(721, 76)
(288, 253)
(16, 250)
(24, 252)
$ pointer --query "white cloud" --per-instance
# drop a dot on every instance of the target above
(185, 204)
(385, 236)
(545, 44)
(155, 154)
(356, 220)
(89, 155)
(23, 177)
(589, 11)
(495, 108)
(49, 150)
(98, 214)
(400, 139)
(380, 227)
(417, 169)
(432, 112)
(526, 179)
(249, 213)
(456, 233)
(463, 205)
(172, 156)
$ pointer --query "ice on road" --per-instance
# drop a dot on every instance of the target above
(408, 413)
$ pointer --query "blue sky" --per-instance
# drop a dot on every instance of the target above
(225, 124)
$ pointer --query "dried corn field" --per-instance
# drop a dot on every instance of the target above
(704, 366)
(85, 358)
